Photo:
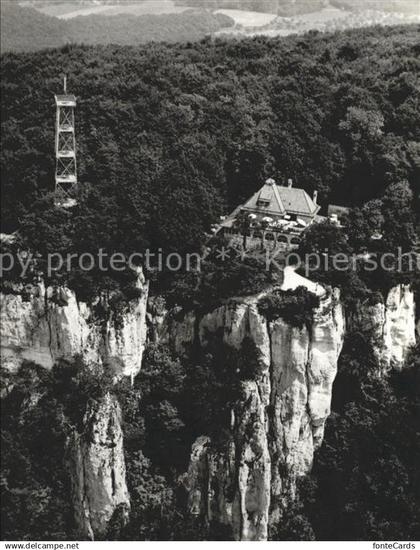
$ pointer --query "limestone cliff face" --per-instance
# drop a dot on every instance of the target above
(277, 423)
(280, 419)
(275, 426)
(399, 325)
(98, 469)
(391, 325)
(51, 324)
(232, 485)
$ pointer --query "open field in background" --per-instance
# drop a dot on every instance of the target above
(68, 13)
(249, 18)
(55, 9)
(147, 7)
(329, 19)
(255, 19)
(155, 7)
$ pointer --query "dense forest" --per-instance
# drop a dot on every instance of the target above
(170, 137)
(26, 29)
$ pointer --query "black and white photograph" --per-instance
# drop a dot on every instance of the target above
(210, 273)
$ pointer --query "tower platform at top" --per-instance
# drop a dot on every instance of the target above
(65, 100)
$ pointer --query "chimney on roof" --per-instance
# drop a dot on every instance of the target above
(315, 196)
(289, 182)
(270, 181)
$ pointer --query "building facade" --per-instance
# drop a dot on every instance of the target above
(275, 216)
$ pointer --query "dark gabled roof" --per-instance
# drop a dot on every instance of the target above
(297, 201)
(266, 200)
(278, 200)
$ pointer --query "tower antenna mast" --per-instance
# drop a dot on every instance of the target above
(65, 149)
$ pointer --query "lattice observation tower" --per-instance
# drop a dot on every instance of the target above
(65, 149)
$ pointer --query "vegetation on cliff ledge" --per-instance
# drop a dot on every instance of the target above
(295, 307)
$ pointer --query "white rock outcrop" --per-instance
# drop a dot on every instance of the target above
(391, 326)
(47, 324)
(42, 329)
(278, 422)
(98, 469)
(232, 486)
(399, 325)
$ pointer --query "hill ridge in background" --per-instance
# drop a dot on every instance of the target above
(27, 29)
(288, 8)
(135, 22)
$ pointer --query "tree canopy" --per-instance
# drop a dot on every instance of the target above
(170, 137)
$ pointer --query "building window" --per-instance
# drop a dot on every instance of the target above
(263, 202)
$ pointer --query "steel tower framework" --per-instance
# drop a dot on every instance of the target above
(65, 149)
